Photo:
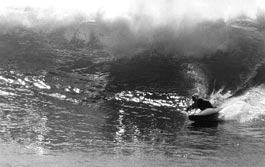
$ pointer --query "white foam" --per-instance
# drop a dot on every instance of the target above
(247, 107)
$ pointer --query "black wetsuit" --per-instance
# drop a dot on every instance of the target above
(201, 104)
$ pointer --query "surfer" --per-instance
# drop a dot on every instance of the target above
(199, 103)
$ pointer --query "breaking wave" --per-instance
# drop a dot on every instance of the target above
(221, 60)
(230, 72)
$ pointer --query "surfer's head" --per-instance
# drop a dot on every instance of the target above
(195, 97)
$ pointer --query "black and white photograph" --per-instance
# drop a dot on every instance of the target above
(132, 83)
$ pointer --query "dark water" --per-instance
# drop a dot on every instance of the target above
(78, 107)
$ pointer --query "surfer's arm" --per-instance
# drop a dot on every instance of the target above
(194, 105)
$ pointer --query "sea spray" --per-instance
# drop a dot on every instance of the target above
(246, 107)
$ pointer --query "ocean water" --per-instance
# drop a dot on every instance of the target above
(63, 105)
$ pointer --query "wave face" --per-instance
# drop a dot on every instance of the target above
(234, 63)
(222, 61)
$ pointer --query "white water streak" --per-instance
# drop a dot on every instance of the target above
(247, 107)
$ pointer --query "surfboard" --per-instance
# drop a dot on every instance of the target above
(207, 115)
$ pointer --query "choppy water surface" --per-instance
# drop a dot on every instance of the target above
(63, 119)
